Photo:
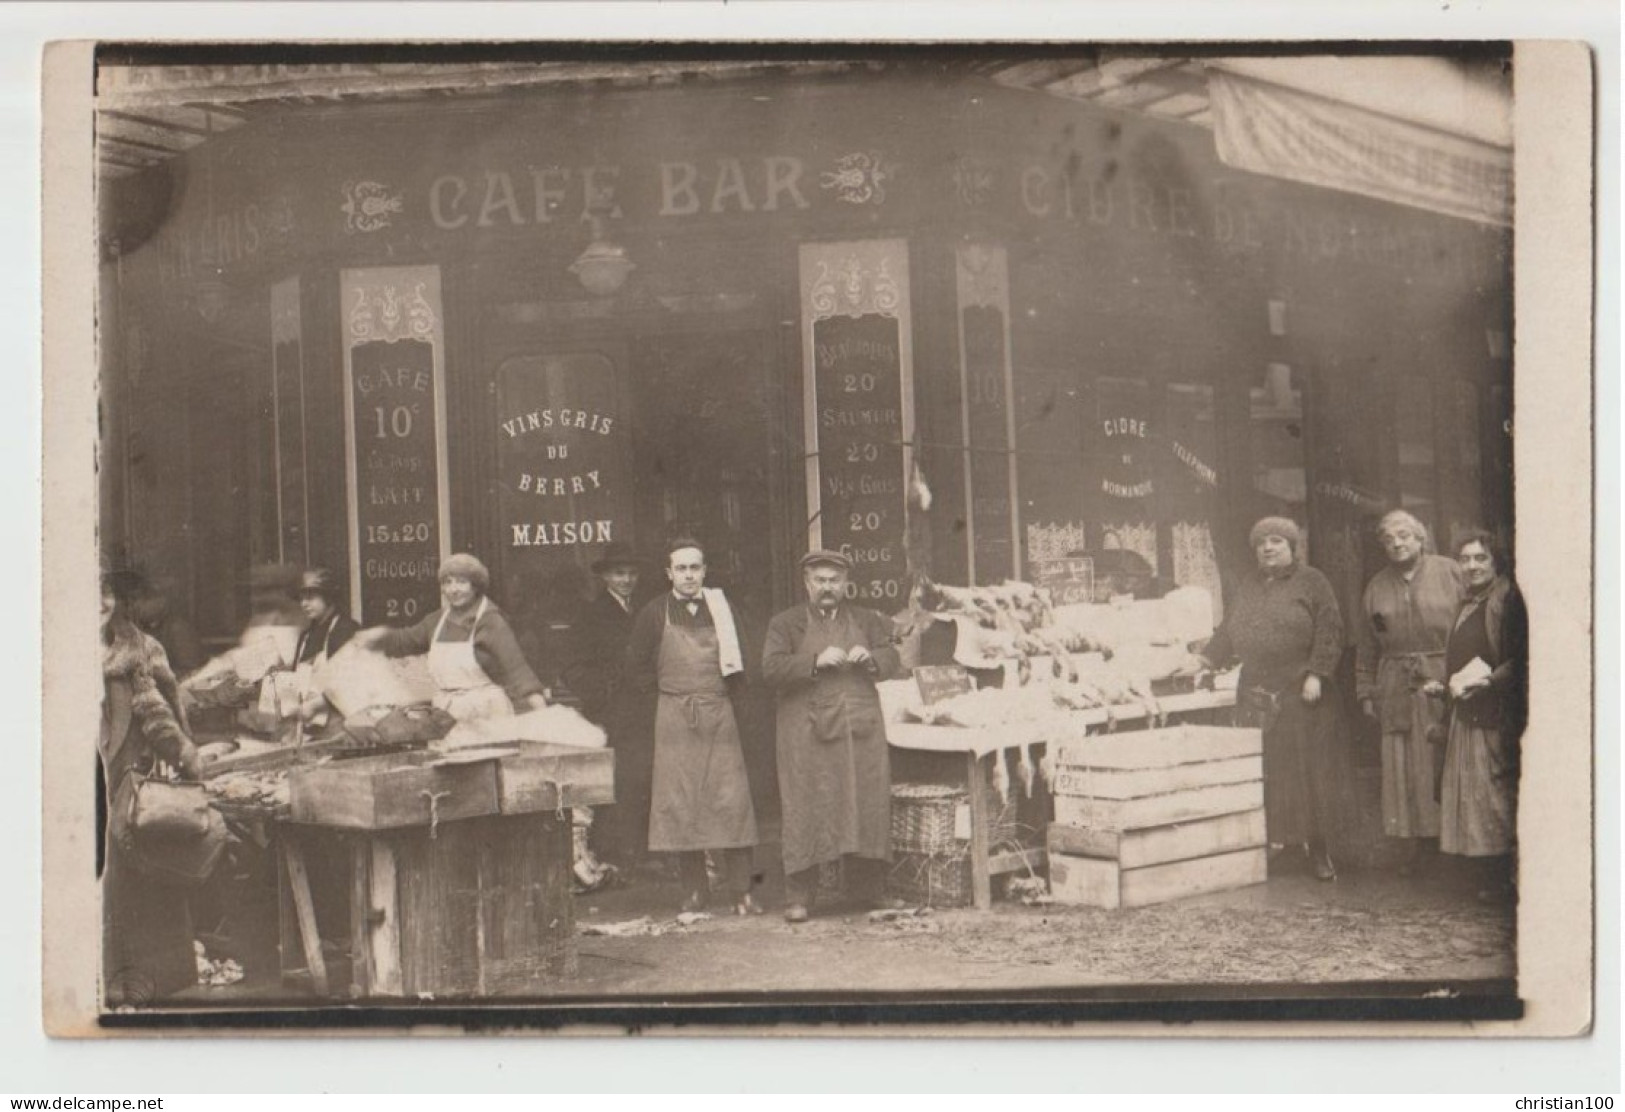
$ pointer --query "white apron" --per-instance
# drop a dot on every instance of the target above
(307, 684)
(464, 691)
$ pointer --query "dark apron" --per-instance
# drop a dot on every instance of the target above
(701, 792)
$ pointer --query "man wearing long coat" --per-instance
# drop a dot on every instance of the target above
(595, 669)
(823, 658)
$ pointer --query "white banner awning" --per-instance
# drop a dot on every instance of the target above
(1270, 129)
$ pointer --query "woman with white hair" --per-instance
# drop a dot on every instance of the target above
(1404, 623)
(474, 657)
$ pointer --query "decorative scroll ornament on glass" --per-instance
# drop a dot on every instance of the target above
(387, 314)
(973, 181)
(860, 178)
(983, 278)
(368, 206)
(853, 289)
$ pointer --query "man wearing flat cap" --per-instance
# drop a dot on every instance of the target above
(595, 656)
(823, 658)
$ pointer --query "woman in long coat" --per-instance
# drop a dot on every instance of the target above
(1487, 661)
(1285, 628)
(146, 920)
(1405, 619)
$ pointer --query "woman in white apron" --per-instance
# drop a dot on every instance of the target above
(328, 630)
(480, 673)
(478, 669)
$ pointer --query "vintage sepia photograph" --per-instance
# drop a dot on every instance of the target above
(895, 534)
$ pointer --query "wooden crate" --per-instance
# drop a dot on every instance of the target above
(1104, 883)
(1165, 748)
(484, 909)
(1158, 845)
(1150, 778)
(386, 792)
(537, 776)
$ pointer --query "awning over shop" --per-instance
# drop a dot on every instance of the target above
(1267, 128)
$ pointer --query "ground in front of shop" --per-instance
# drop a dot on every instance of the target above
(1370, 925)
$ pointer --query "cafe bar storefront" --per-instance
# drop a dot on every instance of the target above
(948, 326)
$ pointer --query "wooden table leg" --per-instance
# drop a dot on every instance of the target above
(293, 857)
(360, 916)
(976, 784)
(384, 921)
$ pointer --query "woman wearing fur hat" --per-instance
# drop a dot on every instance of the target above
(147, 925)
(1284, 627)
(1405, 619)
(474, 657)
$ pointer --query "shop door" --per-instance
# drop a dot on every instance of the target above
(706, 455)
(563, 483)
(703, 456)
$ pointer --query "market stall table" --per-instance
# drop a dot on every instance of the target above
(453, 871)
(964, 758)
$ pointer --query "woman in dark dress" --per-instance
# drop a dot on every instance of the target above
(146, 922)
(1285, 628)
(1486, 662)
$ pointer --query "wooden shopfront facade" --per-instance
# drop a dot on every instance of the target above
(370, 332)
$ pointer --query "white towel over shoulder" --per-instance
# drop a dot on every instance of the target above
(728, 651)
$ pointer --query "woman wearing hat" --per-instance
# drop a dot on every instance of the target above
(1286, 630)
(328, 631)
(1405, 620)
(474, 658)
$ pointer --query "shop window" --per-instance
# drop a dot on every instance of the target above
(288, 402)
(990, 475)
(1461, 479)
(1049, 463)
(1414, 432)
(702, 450)
(1188, 487)
(564, 487)
(1123, 479)
(1280, 483)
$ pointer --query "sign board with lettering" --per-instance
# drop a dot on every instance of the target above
(858, 374)
(562, 452)
(988, 418)
(288, 416)
(395, 441)
(1068, 580)
(941, 681)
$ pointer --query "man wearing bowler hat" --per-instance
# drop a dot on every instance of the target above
(594, 669)
(823, 658)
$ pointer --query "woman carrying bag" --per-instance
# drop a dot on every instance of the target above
(163, 840)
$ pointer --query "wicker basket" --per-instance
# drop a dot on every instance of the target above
(922, 818)
(931, 879)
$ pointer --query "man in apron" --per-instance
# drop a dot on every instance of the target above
(330, 629)
(685, 645)
(824, 658)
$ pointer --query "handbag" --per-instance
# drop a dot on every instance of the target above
(168, 829)
(166, 807)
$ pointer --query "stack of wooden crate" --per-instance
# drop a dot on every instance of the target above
(1156, 815)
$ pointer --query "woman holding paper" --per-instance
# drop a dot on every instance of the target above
(1485, 660)
(474, 658)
